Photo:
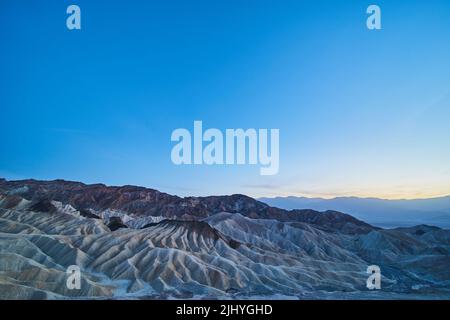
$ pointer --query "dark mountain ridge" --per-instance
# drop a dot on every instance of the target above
(143, 201)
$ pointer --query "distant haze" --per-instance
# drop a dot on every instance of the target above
(380, 212)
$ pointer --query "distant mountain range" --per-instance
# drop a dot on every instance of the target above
(379, 212)
(137, 243)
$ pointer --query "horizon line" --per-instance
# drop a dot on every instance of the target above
(254, 197)
(357, 197)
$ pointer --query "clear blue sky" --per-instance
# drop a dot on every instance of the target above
(360, 112)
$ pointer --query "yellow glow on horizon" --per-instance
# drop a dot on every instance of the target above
(363, 194)
(378, 196)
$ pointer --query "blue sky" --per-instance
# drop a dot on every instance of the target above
(360, 112)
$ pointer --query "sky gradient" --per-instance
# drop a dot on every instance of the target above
(360, 113)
